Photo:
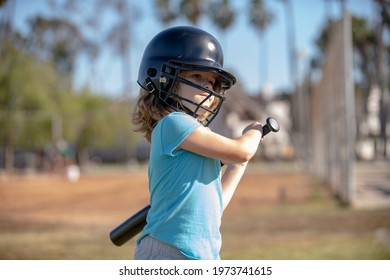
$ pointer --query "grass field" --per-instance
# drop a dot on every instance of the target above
(275, 214)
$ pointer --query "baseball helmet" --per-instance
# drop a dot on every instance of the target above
(183, 48)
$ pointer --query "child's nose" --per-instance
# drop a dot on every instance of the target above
(208, 85)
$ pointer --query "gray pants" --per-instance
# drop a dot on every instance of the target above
(152, 249)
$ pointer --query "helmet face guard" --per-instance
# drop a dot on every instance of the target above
(180, 49)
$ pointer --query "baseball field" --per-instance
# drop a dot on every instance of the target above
(276, 213)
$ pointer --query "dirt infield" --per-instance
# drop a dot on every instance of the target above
(278, 214)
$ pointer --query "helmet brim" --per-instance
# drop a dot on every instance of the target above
(208, 66)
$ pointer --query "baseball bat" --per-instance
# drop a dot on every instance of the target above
(129, 228)
(134, 225)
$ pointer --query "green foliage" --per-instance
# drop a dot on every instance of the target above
(96, 121)
(38, 108)
(25, 98)
(58, 40)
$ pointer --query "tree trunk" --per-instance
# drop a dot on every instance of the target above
(9, 158)
(383, 85)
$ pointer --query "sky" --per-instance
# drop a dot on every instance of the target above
(257, 64)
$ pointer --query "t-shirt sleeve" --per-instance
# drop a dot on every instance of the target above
(175, 129)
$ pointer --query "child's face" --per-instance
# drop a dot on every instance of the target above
(204, 79)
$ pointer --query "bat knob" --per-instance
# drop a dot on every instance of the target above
(271, 125)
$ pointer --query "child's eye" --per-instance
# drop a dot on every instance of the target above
(197, 76)
(202, 78)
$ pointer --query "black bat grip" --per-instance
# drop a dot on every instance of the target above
(129, 228)
(266, 130)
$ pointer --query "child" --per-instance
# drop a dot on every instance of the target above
(183, 86)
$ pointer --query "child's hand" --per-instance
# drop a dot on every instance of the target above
(255, 125)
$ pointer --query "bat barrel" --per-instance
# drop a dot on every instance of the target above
(129, 228)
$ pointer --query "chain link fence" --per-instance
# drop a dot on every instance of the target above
(332, 115)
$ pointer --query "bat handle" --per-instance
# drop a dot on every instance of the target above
(271, 125)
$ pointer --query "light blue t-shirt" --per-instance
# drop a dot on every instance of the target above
(185, 192)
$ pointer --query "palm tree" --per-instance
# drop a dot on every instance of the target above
(291, 35)
(192, 10)
(168, 11)
(260, 18)
(298, 113)
(120, 36)
(383, 71)
(364, 40)
(222, 15)
(165, 12)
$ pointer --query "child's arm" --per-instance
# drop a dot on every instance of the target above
(235, 152)
(204, 142)
(230, 179)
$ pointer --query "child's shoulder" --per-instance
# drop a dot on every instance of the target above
(175, 113)
(178, 116)
(179, 119)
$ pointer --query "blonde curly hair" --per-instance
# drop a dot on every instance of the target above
(148, 110)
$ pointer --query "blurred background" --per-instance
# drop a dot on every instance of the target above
(68, 72)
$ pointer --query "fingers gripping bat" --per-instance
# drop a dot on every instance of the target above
(134, 225)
